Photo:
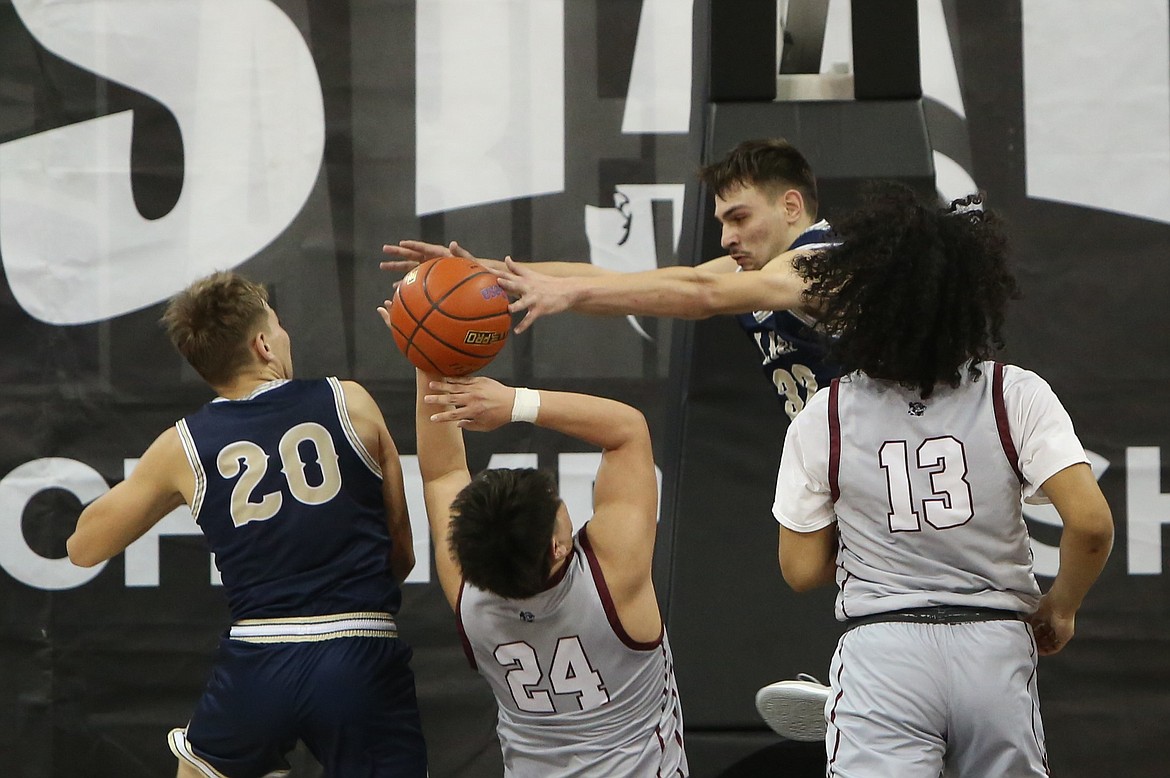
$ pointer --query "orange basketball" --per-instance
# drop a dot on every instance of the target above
(450, 316)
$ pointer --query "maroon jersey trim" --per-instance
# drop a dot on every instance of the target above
(1001, 422)
(459, 626)
(834, 440)
(607, 600)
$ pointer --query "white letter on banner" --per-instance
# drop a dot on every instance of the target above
(1104, 119)
(419, 527)
(142, 558)
(622, 238)
(243, 88)
(490, 122)
(1147, 509)
(659, 95)
(16, 489)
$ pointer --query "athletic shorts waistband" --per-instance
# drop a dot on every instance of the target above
(939, 614)
(309, 629)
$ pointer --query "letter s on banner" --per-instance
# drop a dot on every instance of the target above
(243, 88)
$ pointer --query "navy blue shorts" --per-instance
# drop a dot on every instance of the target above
(351, 700)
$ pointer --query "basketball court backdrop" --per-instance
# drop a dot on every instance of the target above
(143, 145)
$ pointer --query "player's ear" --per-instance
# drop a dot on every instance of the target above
(793, 202)
(261, 347)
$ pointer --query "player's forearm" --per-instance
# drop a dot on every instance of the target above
(554, 269)
(91, 545)
(1086, 538)
(676, 292)
(1084, 549)
(109, 524)
(571, 269)
(401, 560)
(440, 445)
(85, 546)
(607, 424)
(397, 519)
(685, 293)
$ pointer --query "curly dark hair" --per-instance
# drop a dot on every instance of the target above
(914, 291)
(502, 526)
(770, 164)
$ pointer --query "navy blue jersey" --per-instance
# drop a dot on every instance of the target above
(290, 502)
(794, 356)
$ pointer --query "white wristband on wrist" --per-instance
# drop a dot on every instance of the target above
(526, 405)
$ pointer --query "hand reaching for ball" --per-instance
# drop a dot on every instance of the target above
(409, 254)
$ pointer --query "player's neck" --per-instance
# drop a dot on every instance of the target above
(246, 383)
(802, 226)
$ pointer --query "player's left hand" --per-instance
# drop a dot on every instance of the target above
(1052, 629)
(409, 254)
(384, 312)
(480, 403)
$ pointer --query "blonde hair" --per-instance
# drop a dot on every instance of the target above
(212, 321)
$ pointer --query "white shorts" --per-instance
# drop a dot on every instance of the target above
(907, 696)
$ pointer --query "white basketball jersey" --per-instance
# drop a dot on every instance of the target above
(577, 696)
(926, 493)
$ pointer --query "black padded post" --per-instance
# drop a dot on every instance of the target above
(885, 50)
(743, 50)
(726, 590)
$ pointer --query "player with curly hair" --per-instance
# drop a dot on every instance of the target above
(902, 483)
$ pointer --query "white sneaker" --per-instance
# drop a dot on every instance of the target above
(795, 709)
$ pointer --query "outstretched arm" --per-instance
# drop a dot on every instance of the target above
(1085, 543)
(409, 254)
(119, 517)
(681, 292)
(442, 461)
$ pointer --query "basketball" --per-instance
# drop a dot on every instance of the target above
(450, 316)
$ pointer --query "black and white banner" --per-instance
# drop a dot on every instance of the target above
(145, 144)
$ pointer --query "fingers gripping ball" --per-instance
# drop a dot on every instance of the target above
(450, 316)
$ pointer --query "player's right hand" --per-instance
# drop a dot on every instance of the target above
(479, 403)
(535, 293)
(409, 254)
